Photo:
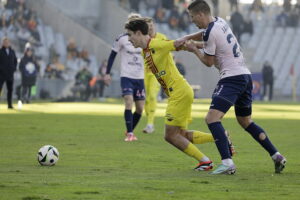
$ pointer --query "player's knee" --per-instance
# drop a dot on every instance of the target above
(262, 136)
(244, 121)
(184, 133)
(210, 119)
(139, 110)
(213, 116)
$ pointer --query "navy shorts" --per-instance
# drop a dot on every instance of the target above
(134, 87)
(234, 90)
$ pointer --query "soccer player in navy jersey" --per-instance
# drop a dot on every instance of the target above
(221, 49)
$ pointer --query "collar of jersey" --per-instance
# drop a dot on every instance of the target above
(148, 44)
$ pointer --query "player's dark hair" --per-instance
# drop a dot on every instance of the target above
(137, 25)
(199, 6)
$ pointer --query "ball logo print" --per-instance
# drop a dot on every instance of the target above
(48, 155)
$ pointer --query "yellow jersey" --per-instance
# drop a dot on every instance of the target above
(159, 59)
(157, 36)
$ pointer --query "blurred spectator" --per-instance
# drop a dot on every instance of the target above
(50, 72)
(248, 26)
(72, 66)
(216, 7)
(29, 69)
(82, 87)
(55, 69)
(237, 22)
(72, 47)
(160, 15)
(184, 21)
(59, 67)
(174, 18)
(281, 19)
(31, 23)
(85, 57)
(23, 36)
(257, 6)
(268, 79)
(233, 4)
(11, 4)
(8, 64)
(52, 53)
(287, 5)
(100, 81)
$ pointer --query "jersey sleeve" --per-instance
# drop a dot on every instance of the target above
(210, 45)
(118, 44)
(163, 45)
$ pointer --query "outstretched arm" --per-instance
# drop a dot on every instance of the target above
(194, 36)
(180, 45)
(204, 58)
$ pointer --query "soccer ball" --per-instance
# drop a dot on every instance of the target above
(48, 155)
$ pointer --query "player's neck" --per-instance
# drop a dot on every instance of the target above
(145, 41)
(210, 19)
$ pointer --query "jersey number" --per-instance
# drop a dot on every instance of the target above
(235, 49)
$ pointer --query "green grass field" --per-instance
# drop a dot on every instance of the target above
(95, 162)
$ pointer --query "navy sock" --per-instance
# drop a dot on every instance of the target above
(254, 131)
(221, 140)
(128, 120)
(136, 118)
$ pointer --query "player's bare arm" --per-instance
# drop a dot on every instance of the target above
(194, 36)
(193, 47)
(180, 45)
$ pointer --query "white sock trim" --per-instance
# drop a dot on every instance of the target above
(227, 162)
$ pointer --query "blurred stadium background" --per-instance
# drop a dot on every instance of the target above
(70, 34)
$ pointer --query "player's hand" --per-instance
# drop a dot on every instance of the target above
(191, 46)
(180, 42)
(199, 45)
(107, 79)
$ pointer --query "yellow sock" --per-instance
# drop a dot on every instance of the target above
(194, 152)
(201, 137)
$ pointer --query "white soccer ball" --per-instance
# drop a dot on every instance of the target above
(48, 155)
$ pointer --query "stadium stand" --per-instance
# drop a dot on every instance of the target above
(275, 36)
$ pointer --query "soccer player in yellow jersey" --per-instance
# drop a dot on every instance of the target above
(159, 60)
(152, 87)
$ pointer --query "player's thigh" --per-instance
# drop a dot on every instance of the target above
(127, 86)
(178, 111)
(244, 101)
(227, 92)
(138, 90)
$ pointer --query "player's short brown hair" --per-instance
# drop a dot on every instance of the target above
(199, 6)
(137, 25)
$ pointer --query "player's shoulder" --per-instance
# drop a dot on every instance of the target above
(161, 36)
(214, 28)
(157, 42)
(121, 37)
